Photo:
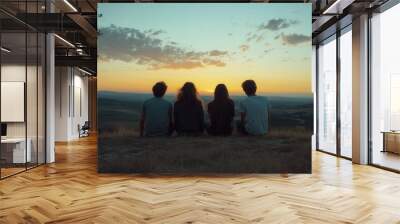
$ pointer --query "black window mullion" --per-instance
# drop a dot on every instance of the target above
(338, 91)
(369, 80)
(317, 96)
(26, 86)
(37, 90)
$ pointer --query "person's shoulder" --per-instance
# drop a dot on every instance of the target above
(231, 102)
(245, 99)
(177, 103)
(148, 101)
(210, 104)
(165, 101)
(263, 98)
(199, 103)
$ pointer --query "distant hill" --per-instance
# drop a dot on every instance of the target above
(121, 111)
(144, 96)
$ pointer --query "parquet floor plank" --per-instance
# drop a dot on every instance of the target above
(71, 191)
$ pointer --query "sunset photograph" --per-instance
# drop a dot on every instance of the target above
(182, 76)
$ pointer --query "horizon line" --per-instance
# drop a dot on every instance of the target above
(211, 94)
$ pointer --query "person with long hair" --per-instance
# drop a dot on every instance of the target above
(188, 111)
(221, 112)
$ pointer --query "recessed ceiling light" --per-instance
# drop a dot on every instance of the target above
(65, 41)
(5, 50)
(337, 7)
(70, 5)
(84, 71)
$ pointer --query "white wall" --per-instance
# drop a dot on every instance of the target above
(71, 102)
(14, 73)
(33, 127)
(62, 82)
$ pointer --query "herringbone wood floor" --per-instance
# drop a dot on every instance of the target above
(70, 191)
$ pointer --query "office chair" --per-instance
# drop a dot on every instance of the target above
(84, 130)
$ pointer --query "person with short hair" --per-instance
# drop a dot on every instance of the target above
(156, 117)
(188, 112)
(254, 111)
(221, 112)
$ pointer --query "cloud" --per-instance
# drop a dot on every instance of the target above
(145, 48)
(152, 32)
(294, 39)
(214, 62)
(268, 50)
(244, 47)
(252, 37)
(260, 38)
(277, 24)
(157, 32)
(179, 65)
(218, 53)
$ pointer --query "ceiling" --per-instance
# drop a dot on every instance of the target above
(75, 21)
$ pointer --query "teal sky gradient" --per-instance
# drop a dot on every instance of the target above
(225, 27)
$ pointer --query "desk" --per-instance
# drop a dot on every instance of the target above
(391, 141)
(18, 149)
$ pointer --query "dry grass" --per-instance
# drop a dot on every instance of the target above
(297, 132)
(281, 151)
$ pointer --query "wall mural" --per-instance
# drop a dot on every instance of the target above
(204, 88)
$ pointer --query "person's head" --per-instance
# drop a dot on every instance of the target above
(249, 87)
(159, 89)
(188, 93)
(221, 93)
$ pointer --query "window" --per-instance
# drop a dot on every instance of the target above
(385, 89)
(327, 96)
(346, 93)
(22, 87)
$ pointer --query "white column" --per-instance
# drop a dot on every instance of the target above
(360, 90)
(50, 92)
(50, 100)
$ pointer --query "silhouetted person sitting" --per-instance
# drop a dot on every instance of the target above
(221, 112)
(254, 111)
(156, 117)
(188, 111)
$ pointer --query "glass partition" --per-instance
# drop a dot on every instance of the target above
(13, 109)
(346, 93)
(22, 91)
(41, 97)
(31, 98)
(327, 96)
(385, 89)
